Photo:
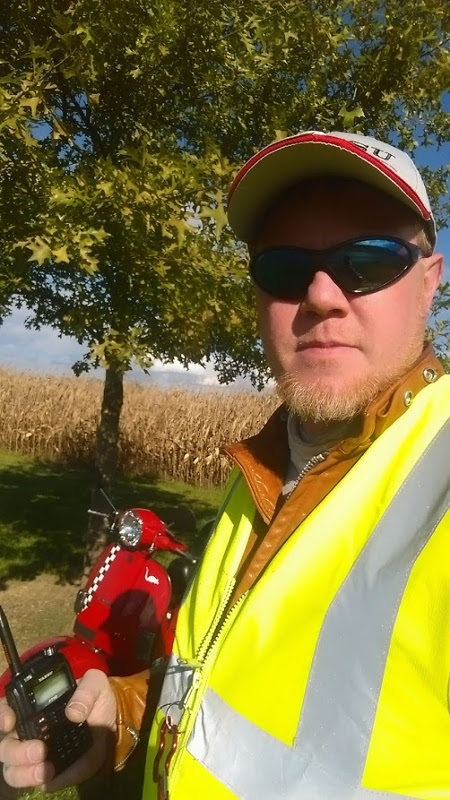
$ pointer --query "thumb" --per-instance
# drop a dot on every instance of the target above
(77, 710)
(89, 691)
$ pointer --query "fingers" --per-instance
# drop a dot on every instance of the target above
(17, 753)
(24, 762)
(20, 777)
(25, 765)
(7, 718)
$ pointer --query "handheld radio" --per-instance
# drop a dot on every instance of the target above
(38, 693)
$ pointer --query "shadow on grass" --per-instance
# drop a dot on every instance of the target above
(43, 516)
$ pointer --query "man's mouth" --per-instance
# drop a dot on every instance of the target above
(322, 345)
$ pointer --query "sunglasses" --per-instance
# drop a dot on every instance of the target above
(358, 266)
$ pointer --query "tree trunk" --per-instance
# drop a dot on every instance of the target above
(106, 457)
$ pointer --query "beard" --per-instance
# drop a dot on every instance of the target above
(318, 401)
(314, 402)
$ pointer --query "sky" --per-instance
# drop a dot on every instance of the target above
(44, 352)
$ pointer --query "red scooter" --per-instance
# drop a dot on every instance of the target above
(126, 613)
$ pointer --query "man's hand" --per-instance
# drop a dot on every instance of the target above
(24, 763)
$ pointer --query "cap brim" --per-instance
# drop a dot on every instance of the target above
(277, 169)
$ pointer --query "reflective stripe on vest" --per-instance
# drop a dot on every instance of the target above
(337, 715)
(177, 682)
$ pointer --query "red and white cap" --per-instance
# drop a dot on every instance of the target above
(306, 155)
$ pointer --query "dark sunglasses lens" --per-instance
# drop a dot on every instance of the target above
(368, 265)
(360, 266)
(282, 273)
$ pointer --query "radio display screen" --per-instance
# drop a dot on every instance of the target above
(50, 689)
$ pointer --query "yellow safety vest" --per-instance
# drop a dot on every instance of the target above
(328, 680)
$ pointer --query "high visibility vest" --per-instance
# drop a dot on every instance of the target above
(329, 679)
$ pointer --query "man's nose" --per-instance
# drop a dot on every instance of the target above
(323, 296)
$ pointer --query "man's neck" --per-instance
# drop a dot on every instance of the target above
(317, 432)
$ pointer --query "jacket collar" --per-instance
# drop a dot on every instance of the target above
(264, 458)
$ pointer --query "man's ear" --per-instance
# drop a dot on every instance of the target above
(433, 271)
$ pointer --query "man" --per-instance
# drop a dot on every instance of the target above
(312, 655)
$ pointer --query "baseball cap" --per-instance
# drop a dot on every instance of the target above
(288, 161)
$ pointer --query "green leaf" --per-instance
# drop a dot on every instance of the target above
(32, 103)
(85, 32)
(107, 187)
(61, 254)
(40, 250)
(349, 116)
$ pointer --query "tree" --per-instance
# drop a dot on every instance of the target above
(120, 131)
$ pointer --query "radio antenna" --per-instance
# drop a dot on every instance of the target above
(9, 646)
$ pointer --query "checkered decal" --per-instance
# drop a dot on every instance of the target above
(89, 593)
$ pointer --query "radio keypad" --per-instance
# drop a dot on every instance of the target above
(63, 738)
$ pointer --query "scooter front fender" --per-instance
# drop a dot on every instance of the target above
(81, 657)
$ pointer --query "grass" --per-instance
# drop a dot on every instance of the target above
(43, 514)
(43, 517)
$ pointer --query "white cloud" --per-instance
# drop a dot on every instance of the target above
(175, 373)
(177, 366)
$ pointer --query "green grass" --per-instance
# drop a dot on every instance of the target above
(43, 515)
(43, 519)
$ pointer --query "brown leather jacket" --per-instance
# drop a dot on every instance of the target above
(263, 459)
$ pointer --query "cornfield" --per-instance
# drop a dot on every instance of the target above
(175, 434)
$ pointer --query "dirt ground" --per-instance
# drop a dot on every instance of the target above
(36, 610)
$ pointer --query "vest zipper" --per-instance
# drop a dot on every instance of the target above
(220, 628)
(209, 640)
(216, 623)
(203, 657)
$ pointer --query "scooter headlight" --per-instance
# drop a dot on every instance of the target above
(130, 529)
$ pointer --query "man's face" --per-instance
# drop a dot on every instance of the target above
(332, 352)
